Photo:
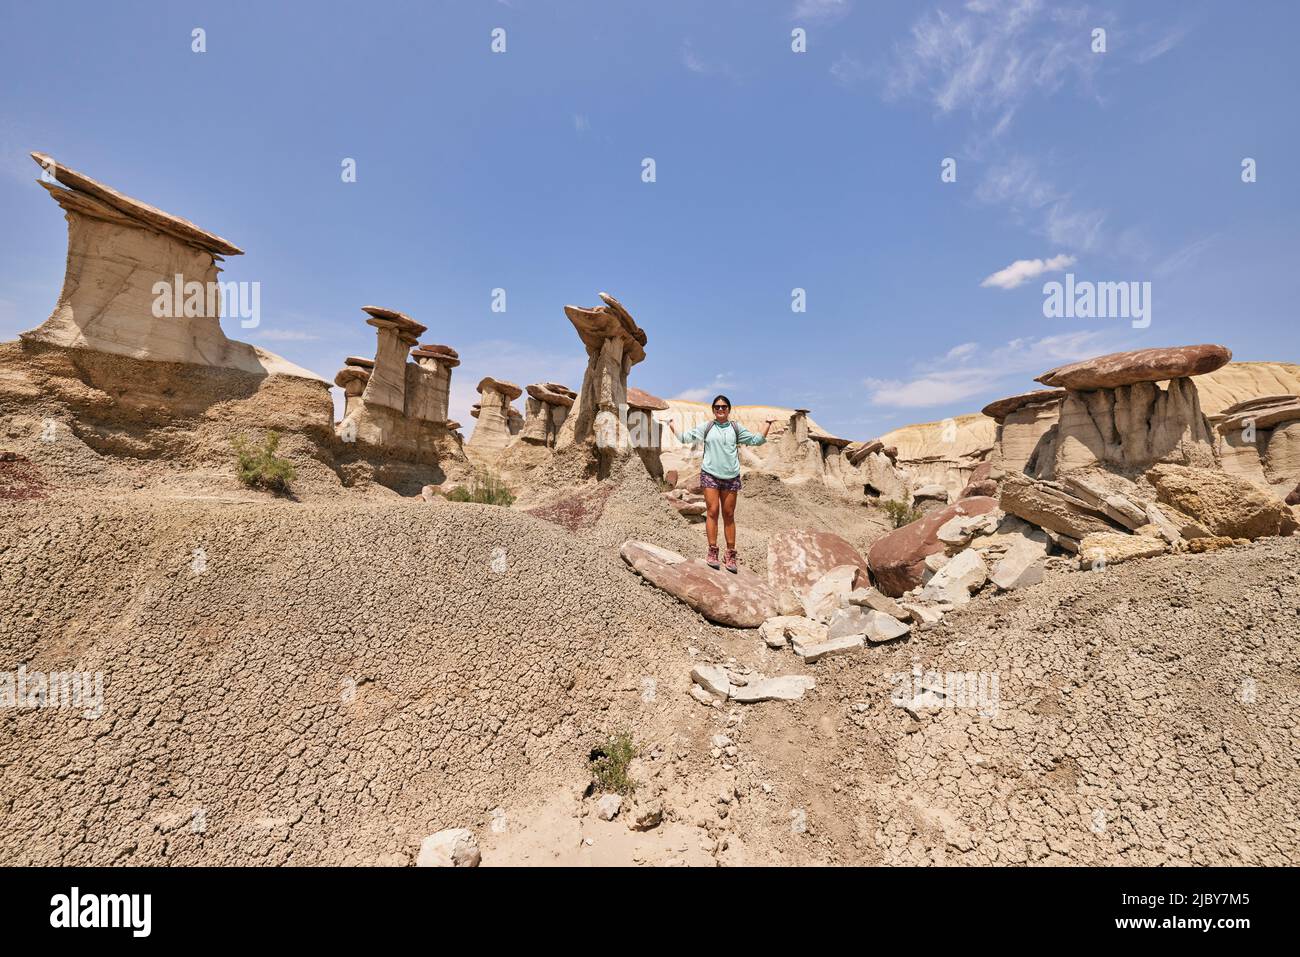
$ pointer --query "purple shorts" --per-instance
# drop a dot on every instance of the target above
(722, 485)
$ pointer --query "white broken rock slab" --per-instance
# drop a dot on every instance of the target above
(712, 679)
(811, 652)
(875, 626)
(831, 591)
(923, 614)
(608, 806)
(784, 688)
(960, 529)
(780, 631)
(1023, 564)
(454, 847)
(955, 582)
(873, 598)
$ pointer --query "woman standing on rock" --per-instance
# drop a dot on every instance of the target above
(720, 472)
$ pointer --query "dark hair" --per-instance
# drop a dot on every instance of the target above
(723, 398)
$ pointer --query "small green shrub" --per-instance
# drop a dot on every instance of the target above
(260, 467)
(900, 513)
(609, 764)
(484, 489)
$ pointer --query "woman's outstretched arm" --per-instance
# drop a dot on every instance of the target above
(746, 437)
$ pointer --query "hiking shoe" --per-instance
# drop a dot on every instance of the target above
(712, 558)
(731, 561)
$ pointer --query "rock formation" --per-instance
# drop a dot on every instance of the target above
(946, 452)
(142, 283)
(1023, 423)
(742, 600)
(1141, 365)
(897, 560)
(547, 407)
(1114, 412)
(428, 382)
(644, 431)
(1259, 439)
(614, 344)
(498, 420)
(395, 407)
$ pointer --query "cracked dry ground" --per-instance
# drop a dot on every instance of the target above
(342, 680)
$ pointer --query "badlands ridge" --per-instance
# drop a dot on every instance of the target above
(1060, 630)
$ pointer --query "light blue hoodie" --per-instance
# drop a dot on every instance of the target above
(721, 458)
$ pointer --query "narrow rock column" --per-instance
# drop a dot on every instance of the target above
(644, 434)
(614, 344)
(397, 333)
(429, 382)
(1025, 422)
(493, 429)
(352, 380)
(547, 407)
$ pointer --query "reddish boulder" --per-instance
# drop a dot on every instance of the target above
(1002, 408)
(1140, 365)
(797, 558)
(1294, 497)
(980, 484)
(742, 600)
(897, 561)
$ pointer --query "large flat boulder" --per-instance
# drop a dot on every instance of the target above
(1222, 503)
(1050, 507)
(897, 561)
(798, 558)
(741, 600)
(1140, 365)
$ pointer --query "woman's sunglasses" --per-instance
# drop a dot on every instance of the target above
(721, 408)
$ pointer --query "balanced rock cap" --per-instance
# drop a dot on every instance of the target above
(351, 374)
(359, 362)
(610, 321)
(474, 409)
(508, 389)
(1262, 418)
(639, 399)
(433, 350)
(134, 209)
(827, 439)
(552, 393)
(1141, 365)
(1260, 402)
(1003, 407)
(405, 324)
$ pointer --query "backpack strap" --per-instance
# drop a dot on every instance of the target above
(712, 422)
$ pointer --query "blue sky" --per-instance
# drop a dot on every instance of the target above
(775, 170)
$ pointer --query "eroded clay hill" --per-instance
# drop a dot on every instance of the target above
(317, 684)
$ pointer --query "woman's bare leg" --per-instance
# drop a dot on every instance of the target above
(711, 503)
(729, 517)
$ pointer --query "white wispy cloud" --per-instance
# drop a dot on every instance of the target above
(1023, 270)
(848, 71)
(721, 383)
(991, 56)
(970, 370)
(697, 62)
(1017, 184)
(1180, 259)
(581, 123)
(1164, 43)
